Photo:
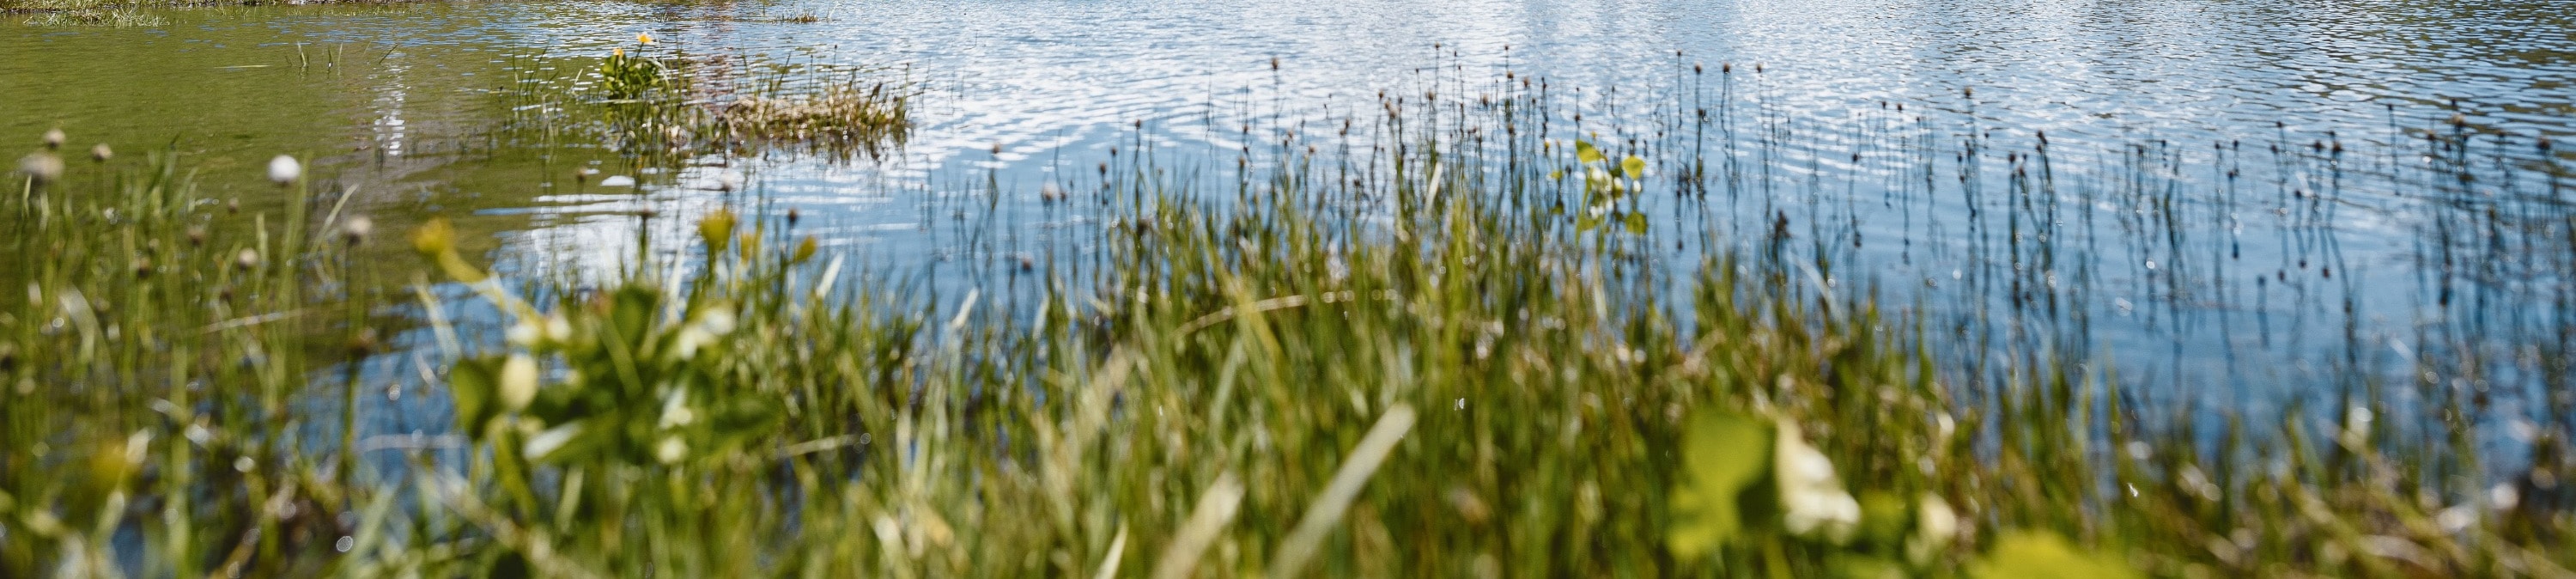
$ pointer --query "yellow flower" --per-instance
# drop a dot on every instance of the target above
(617, 53)
(716, 229)
(643, 38)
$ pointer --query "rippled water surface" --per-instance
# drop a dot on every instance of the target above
(2242, 199)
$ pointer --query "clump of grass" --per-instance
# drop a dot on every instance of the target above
(151, 379)
(124, 18)
(838, 117)
(662, 103)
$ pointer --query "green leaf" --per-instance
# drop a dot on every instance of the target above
(1634, 167)
(1724, 454)
(1586, 153)
(2040, 555)
(632, 316)
(1884, 518)
(472, 383)
(1857, 566)
(1636, 223)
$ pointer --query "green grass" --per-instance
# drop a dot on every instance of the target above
(1430, 359)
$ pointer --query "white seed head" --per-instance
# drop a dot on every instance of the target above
(248, 258)
(101, 153)
(42, 167)
(284, 170)
(54, 139)
(357, 228)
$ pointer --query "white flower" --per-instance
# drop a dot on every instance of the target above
(675, 411)
(284, 170)
(709, 325)
(1935, 525)
(670, 450)
(518, 382)
(523, 334)
(558, 329)
(718, 321)
(1811, 497)
(691, 338)
(533, 332)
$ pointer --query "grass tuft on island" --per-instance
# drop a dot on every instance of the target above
(657, 101)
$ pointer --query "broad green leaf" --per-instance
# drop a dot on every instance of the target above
(632, 316)
(1636, 223)
(1586, 153)
(2039, 555)
(1634, 167)
(1884, 518)
(1723, 454)
(472, 382)
(1858, 566)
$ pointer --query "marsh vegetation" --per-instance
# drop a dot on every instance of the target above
(1477, 325)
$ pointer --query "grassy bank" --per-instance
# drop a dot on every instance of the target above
(1418, 355)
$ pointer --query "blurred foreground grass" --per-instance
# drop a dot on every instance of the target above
(1437, 372)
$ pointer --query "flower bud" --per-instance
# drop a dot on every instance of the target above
(53, 139)
(518, 382)
(434, 238)
(101, 153)
(804, 251)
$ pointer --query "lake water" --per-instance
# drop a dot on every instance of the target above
(2250, 204)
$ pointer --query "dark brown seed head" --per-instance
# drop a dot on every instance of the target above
(363, 343)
